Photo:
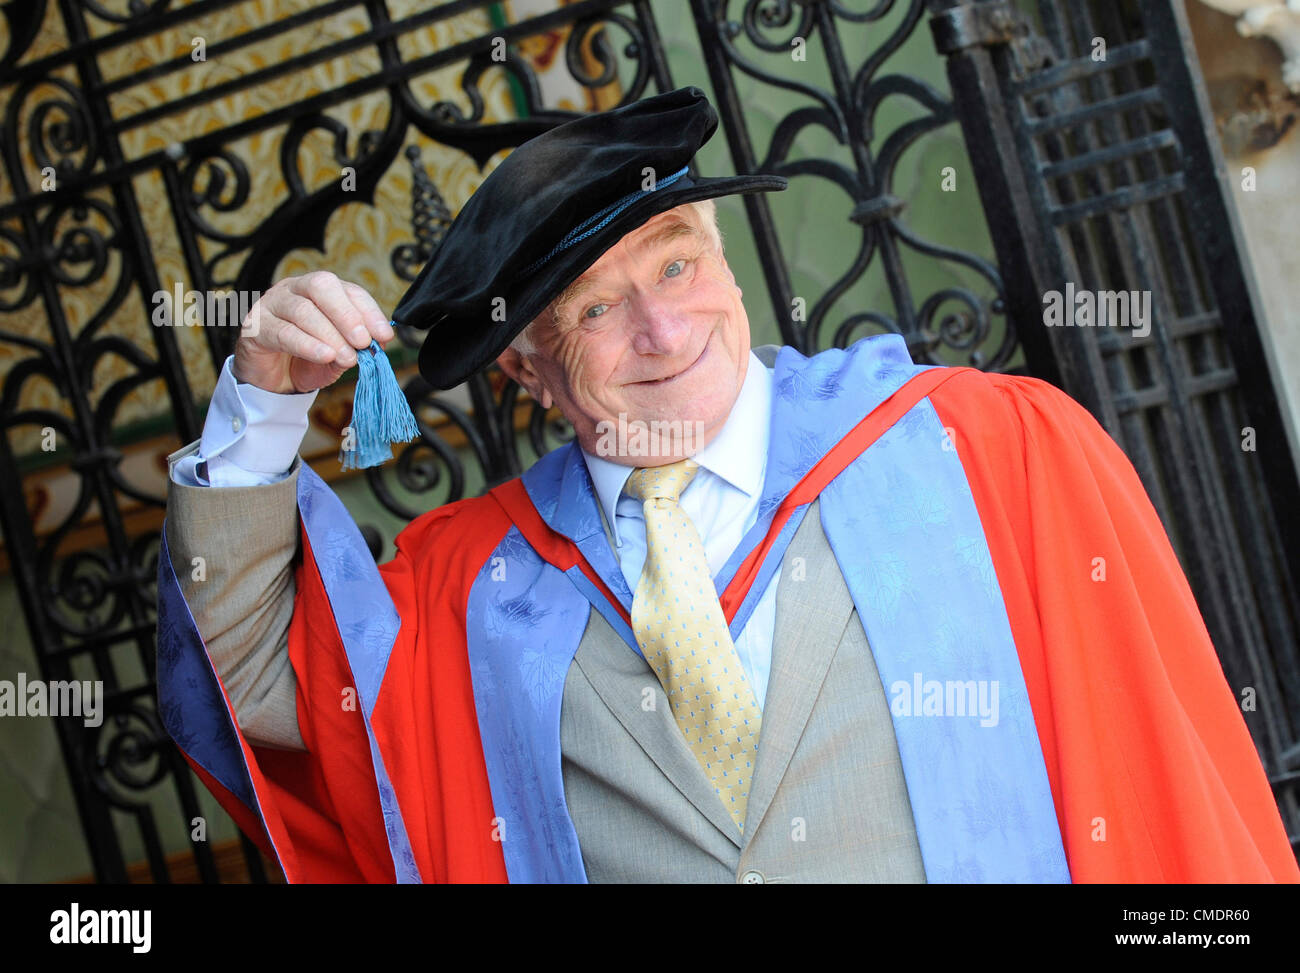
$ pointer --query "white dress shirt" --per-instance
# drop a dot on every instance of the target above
(251, 436)
(722, 502)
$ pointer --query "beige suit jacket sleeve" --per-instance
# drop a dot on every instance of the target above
(241, 594)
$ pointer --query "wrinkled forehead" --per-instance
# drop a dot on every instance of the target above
(683, 217)
(670, 224)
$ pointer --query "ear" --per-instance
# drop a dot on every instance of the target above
(520, 368)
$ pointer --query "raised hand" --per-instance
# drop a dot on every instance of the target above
(304, 333)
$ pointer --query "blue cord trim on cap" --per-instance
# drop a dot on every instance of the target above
(602, 219)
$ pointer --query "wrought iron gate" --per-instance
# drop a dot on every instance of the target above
(1098, 173)
(1103, 173)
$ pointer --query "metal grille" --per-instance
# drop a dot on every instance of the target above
(950, 325)
(1134, 199)
(1105, 121)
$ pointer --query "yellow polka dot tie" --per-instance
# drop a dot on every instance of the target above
(682, 632)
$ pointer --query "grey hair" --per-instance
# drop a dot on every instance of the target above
(706, 217)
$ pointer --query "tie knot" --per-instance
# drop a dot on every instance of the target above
(661, 482)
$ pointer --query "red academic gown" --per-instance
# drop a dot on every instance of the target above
(1153, 773)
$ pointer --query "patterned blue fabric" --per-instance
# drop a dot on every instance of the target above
(191, 703)
(816, 402)
(368, 623)
(906, 533)
(921, 577)
(560, 487)
(518, 688)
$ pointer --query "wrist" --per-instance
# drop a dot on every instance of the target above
(257, 378)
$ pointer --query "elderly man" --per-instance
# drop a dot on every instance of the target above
(767, 618)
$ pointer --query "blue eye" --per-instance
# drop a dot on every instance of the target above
(672, 265)
(592, 308)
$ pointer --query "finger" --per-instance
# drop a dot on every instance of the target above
(285, 336)
(326, 292)
(376, 320)
(302, 313)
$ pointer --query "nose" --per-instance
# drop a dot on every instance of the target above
(660, 325)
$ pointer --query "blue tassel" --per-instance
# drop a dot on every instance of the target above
(380, 415)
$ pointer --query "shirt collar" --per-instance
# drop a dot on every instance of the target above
(737, 454)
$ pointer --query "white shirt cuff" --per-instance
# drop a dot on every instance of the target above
(250, 435)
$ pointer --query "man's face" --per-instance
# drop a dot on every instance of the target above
(653, 331)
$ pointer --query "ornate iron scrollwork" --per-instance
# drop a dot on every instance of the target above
(848, 111)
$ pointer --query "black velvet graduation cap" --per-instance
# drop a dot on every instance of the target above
(546, 214)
